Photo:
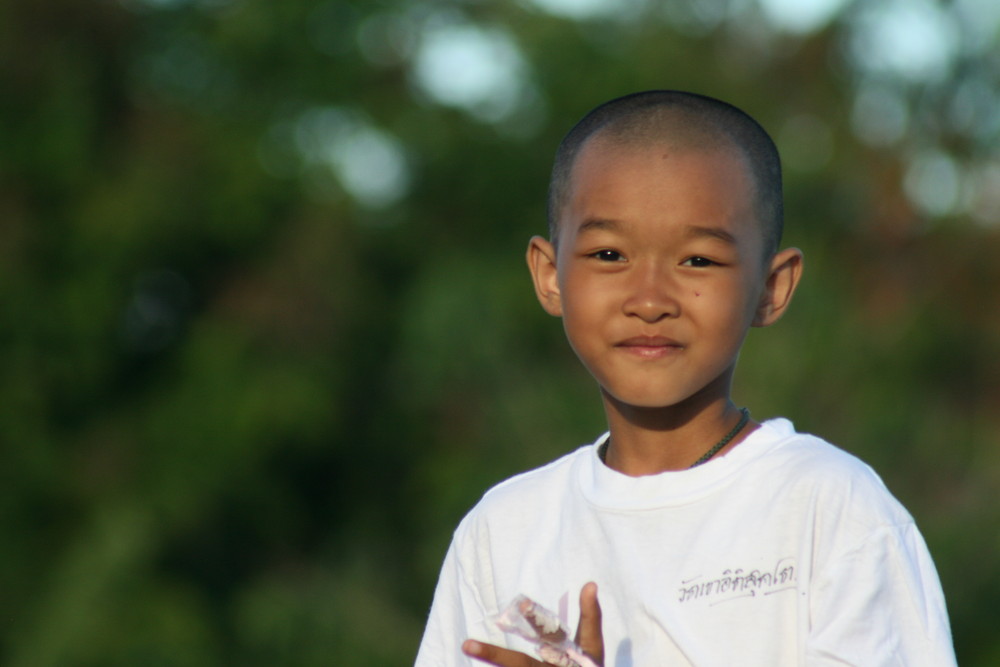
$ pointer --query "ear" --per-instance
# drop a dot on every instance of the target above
(541, 258)
(782, 279)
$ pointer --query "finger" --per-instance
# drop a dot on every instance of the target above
(589, 635)
(495, 655)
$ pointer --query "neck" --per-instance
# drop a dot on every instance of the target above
(649, 441)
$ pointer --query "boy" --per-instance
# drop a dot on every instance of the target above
(714, 539)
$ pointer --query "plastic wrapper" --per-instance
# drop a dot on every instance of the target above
(528, 619)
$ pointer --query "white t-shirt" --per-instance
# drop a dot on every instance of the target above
(786, 551)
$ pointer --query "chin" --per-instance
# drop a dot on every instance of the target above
(645, 400)
(650, 398)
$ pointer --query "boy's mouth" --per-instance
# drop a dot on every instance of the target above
(649, 346)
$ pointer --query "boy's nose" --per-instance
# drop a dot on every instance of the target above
(651, 297)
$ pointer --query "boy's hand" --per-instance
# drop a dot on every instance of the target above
(588, 637)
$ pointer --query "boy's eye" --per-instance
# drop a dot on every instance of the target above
(608, 255)
(698, 262)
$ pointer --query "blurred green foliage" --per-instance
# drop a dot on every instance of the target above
(268, 334)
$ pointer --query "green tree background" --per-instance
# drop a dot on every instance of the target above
(268, 333)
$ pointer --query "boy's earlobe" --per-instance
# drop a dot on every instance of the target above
(541, 258)
(782, 279)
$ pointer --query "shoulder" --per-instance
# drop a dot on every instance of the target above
(528, 494)
(538, 483)
(831, 478)
(808, 453)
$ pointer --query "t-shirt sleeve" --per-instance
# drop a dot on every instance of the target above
(880, 603)
(458, 611)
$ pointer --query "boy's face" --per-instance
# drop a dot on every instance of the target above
(659, 272)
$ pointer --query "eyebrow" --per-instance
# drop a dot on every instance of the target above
(692, 231)
(599, 224)
(699, 231)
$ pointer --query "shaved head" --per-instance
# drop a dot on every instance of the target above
(676, 121)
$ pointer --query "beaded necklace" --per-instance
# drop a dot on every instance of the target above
(602, 451)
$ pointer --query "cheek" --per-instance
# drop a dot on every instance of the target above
(582, 294)
(728, 310)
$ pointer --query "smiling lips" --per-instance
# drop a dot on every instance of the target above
(650, 347)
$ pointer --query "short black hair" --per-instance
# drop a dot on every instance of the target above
(672, 116)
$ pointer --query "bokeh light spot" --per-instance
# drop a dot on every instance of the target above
(369, 163)
(880, 116)
(801, 16)
(911, 39)
(477, 69)
(933, 183)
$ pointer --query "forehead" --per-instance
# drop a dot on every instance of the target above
(661, 181)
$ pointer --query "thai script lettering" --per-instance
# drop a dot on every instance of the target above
(736, 583)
